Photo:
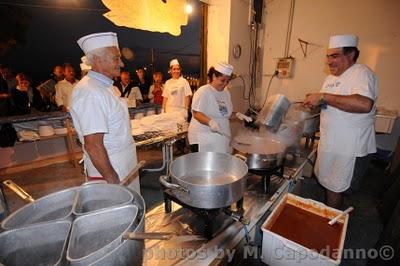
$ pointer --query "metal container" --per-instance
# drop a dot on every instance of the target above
(94, 196)
(308, 117)
(53, 207)
(96, 234)
(273, 113)
(261, 152)
(207, 180)
(129, 252)
(41, 244)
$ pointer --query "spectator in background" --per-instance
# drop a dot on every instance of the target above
(156, 90)
(64, 88)
(8, 77)
(48, 91)
(128, 89)
(4, 97)
(20, 96)
(143, 83)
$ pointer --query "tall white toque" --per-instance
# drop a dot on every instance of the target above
(98, 40)
(173, 62)
(338, 41)
(224, 68)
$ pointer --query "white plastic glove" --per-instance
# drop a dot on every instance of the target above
(214, 126)
(244, 117)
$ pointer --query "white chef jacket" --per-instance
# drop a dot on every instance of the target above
(96, 109)
(175, 90)
(64, 91)
(218, 106)
(343, 135)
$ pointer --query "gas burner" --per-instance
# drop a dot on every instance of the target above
(266, 175)
(212, 218)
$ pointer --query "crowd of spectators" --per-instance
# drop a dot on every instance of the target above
(18, 96)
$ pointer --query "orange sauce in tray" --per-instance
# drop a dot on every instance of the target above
(309, 230)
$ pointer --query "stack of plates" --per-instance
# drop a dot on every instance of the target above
(46, 131)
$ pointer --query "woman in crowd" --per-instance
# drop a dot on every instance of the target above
(209, 129)
(177, 91)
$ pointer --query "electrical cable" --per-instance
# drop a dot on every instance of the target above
(269, 85)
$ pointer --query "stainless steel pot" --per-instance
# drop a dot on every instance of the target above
(40, 244)
(273, 112)
(53, 207)
(309, 118)
(207, 180)
(261, 152)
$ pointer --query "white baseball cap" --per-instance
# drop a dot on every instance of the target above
(173, 62)
(338, 41)
(98, 40)
(224, 68)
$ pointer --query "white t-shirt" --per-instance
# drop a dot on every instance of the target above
(175, 90)
(217, 105)
(96, 109)
(64, 91)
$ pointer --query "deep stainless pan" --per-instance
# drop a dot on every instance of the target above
(41, 244)
(207, 180)
(98, 195)
(96, 234)
(53, 207)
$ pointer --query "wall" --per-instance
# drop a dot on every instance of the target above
(375, 22)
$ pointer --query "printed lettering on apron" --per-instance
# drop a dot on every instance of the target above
(223, 109)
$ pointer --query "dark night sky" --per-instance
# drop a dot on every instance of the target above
(52, 34)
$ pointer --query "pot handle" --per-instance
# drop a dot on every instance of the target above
(241, 157)
(151, 235)
(164, 182)
(19, 191)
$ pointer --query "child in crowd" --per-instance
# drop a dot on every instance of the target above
(156, 90)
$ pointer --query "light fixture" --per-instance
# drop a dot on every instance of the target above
(188, 8)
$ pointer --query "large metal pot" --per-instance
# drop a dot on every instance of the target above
(207, 180)
(261, 152)
(273, 112)
(308, 119)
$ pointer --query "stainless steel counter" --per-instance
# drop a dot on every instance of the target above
(186, 249)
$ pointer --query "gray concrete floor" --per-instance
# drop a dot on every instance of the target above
(362, 232)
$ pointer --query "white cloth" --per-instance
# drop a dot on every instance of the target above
(217, 105)
(96, 109)
(175, 90)
(133, 96)
(64, 91)
(344, 135)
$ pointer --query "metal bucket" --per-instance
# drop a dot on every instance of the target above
(41, 244)
(95, 235)
(53, 207)
(274, 111)
(94, 197)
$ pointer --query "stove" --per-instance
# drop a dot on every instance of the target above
(213, 220)
(266, 175)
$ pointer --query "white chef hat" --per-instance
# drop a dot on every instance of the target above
(173, 62)
(98, 40)
(338, 41)
(224, 68)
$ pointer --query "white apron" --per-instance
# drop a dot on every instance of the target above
(123, 161)
(216, 142)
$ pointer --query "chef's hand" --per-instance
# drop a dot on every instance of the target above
(312, 100)
(241, 116)
(214, 126)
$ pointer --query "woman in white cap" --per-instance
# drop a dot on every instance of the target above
(209, 129)
(176, 91)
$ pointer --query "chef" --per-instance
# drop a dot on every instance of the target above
(348, 98)
(209, 129)
(101, 119)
